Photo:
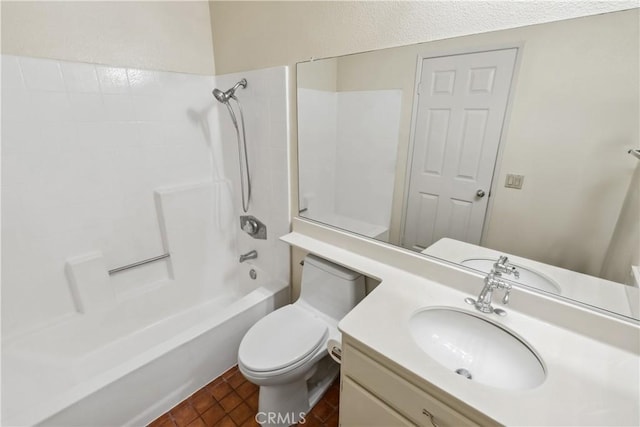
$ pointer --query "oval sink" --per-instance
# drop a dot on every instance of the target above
(476, 349)
(527, 276)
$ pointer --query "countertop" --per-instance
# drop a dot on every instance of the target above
(587, 382)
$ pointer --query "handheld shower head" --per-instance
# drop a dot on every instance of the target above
(220, 95)
(245, 178)
(224, 97)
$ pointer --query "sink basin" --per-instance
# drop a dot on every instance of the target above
(527, 276)
(476, 349)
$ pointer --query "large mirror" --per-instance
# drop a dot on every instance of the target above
(520, 142)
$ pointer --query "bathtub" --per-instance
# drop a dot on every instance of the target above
(130, 364)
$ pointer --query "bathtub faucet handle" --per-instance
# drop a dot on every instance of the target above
(250, 226)
(253, 227)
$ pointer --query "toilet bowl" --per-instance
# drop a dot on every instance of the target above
(285, 353)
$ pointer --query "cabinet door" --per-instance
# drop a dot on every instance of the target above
(358, 407)
(412, 402)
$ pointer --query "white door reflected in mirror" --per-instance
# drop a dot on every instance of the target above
(461, 106)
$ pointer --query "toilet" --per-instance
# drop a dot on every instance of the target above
(285, 353)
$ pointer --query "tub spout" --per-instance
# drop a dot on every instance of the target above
(249, 255)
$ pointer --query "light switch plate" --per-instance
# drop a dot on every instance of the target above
(514, 181)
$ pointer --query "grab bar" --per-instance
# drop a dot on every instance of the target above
(634, 153)
(139, 263)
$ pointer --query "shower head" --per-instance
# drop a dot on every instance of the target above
(224, 96)
(220, 95)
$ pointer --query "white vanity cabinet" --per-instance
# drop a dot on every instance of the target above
(372, 394)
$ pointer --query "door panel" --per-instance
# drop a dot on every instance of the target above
(437, 137)
(461, 211)
(475, 126)
(427, 212)
(462, 100)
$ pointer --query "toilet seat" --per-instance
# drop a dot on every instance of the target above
(282, 340)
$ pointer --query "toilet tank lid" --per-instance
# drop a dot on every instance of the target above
(329, 267)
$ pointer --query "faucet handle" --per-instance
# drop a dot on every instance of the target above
(507, 291)
(250, 226)
(501, 284)
(505, 299)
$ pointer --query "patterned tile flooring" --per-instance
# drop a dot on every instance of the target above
(231, 400)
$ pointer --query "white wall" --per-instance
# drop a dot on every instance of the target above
(321, 75)
(349, 155)
(318, 125)
(83, 149)
(574, 117)
(624, 248)
(367, 143)
(264, 102)
(159, 35)
(85, 146)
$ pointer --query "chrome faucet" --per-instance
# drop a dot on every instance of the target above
(492, 282)
(503, 266)
(249, 255)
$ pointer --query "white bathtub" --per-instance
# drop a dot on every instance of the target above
(129, 365)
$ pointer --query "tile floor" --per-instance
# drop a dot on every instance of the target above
(231, 400)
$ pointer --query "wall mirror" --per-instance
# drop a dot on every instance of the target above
(510, 142)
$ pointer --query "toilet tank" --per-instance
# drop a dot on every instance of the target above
(332, 289)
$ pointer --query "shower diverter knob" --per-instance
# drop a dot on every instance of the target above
(253, 227)
(250, 226)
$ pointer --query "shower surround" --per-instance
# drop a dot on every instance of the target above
(105, 166)
(348, 149)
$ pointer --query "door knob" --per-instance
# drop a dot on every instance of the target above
(480, 193)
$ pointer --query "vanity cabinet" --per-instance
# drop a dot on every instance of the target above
(373, 394)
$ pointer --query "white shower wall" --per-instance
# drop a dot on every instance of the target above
(348, 145)
(265, 107)
(318, 131)
(84, 148)
(368, 130)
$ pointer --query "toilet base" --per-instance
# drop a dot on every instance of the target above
(286, 404)
(326, 373)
